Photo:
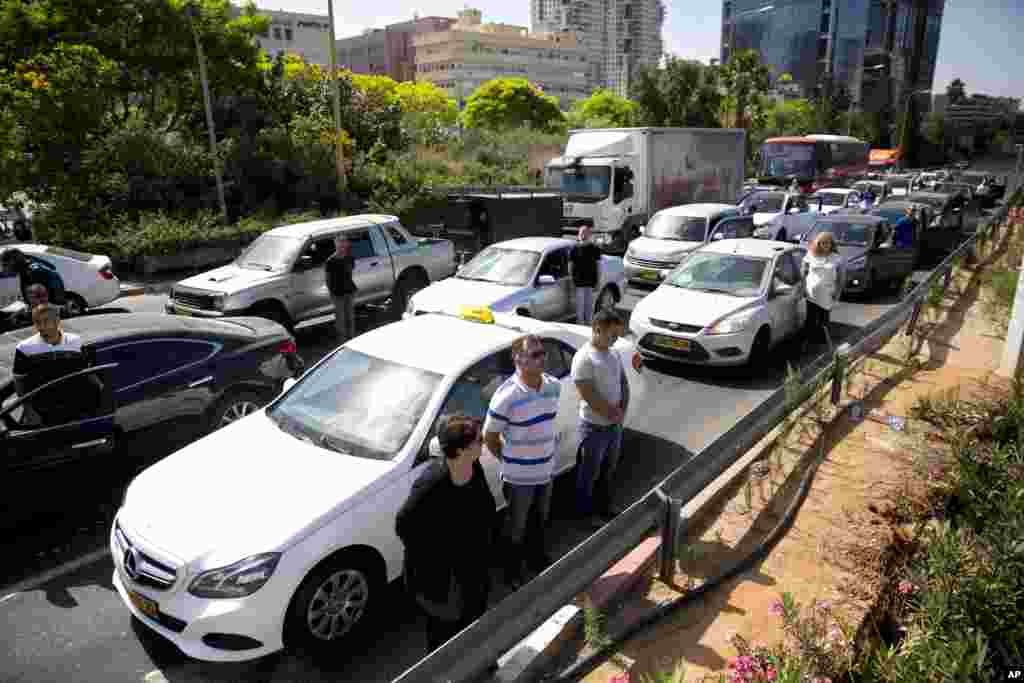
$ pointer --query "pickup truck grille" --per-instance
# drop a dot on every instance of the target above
(653, 263)
(203, 301)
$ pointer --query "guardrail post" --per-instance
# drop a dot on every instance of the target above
(669, 536)
(838, 371)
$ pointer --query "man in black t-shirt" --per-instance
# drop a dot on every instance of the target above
(585, 262)
(338, 270)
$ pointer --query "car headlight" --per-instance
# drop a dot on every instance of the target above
(731, 324)
(857, 263)
(237, 580)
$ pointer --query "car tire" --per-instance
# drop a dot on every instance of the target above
(276, 314)
(354, 583)
(405, 288)
(234, 406)
(759, 349)
(74, 306)
(606, 299)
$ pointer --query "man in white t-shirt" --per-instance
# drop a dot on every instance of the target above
(49, 354)
(601, 380)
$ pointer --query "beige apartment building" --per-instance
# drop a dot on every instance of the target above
(470, 53)
(295, 33)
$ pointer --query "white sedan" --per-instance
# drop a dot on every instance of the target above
(833, 199)
(528, 276)
(728, 303)
(279, 529)
(89, 279)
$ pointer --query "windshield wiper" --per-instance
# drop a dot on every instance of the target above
(714, 290)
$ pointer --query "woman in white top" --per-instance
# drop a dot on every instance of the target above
(823, 270)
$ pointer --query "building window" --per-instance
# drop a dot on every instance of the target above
(277, 33)
(288, 34)
(627, 11)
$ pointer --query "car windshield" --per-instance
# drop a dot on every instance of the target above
(356, 404)
(270, 252)
(848, 234)
(683, 228)
(708, 271)
(584, 180)
(829, 198)
(766, 202)
(503, 266)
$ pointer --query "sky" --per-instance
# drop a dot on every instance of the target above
(980, 41)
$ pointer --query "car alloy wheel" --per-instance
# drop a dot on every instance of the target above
(236, 411)
(338, 604)
(233, 407)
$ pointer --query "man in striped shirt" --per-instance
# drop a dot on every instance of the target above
(520, 431)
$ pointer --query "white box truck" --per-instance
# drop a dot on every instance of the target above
(614, 179)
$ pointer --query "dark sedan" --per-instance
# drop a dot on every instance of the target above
(866, 244)
(146, 371)
(947, 212)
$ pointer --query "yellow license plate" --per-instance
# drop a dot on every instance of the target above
(672, 343)
(650, 275)
(181, 311)
(145, 605)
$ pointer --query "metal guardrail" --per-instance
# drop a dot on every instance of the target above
(502, 627)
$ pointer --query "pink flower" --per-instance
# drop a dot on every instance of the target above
(620, 678)
(905, 587)
(777, 608)
(822, 679)
(835, 634)
(770, 674)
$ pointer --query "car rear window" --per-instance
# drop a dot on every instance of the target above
(69, 253)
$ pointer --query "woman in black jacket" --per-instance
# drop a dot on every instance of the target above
(448, 572)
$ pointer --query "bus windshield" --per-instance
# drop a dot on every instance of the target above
(788, 159)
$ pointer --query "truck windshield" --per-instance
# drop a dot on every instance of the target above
(502, 266)
(683, 228)
(269, 252)
(787, 159)
(593, 180)
(357, 405)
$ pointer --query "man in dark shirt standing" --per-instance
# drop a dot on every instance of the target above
(342, 289)
(585, 261)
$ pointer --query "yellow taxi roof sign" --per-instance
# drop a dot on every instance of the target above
(480, 314)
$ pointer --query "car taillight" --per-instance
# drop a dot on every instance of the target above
(106, 273)
(288, 347)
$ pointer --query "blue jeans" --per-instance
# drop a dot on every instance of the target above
(600, 450)
(522, 500)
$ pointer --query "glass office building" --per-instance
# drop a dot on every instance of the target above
(866, 44)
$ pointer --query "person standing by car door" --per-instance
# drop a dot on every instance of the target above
(903, 234)
(601, 381)
(586, 264)
(34, 271)
(521, 432)
(448, 574)
(48, 355)
(341, 288)
(823, 271)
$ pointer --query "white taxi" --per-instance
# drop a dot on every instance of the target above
(279, 529)
(728, 303)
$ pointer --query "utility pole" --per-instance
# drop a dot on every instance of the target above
(339, 150)
(192, 12)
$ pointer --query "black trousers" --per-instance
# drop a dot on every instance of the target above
(817, 321)
(440, 631)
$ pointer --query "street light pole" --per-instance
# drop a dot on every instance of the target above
(339, 151)
(191, 11)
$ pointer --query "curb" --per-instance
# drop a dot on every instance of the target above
(131, 290)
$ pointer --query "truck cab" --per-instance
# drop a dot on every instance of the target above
(598, 192)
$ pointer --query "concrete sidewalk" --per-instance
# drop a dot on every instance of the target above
(867, 466)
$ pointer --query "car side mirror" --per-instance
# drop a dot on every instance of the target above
(545, 280)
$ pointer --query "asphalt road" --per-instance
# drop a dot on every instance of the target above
(75, 626)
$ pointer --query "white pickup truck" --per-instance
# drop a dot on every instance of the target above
(281, 275)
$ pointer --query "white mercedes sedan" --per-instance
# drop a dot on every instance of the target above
(89, 279)
(279, 529)
(528, 276)
(728, 303)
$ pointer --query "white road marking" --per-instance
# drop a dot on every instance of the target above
(8, 597)
(38, 580)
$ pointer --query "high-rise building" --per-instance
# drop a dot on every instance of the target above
(866, 46)
(388, 51)
(470, 53)
(305, 35)
(620, 36)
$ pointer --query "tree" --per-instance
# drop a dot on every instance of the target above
(505, 103)
(603, 109)
(934, 128)
(956, 92)
(680, 93)
(745, 79)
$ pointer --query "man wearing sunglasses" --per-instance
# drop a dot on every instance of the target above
(520, 432)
